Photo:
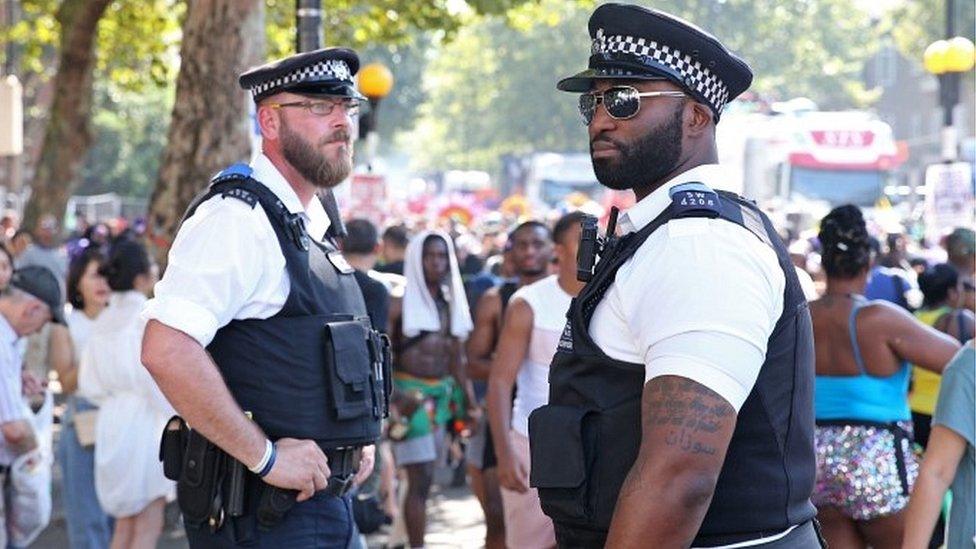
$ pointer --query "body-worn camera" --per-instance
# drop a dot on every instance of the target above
(592, 245)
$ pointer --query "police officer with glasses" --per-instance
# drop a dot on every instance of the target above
(680, 408)
(258, 333)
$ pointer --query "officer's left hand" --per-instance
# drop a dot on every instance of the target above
(366, 463)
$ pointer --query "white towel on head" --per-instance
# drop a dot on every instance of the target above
(419, 308)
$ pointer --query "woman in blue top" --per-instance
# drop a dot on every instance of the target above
(865, 465)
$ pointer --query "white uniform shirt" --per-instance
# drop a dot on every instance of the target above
(699, 299)
(11, 385)
(226, 263)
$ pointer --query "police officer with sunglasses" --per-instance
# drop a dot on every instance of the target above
(680, 410)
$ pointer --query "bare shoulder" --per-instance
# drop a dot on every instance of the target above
(519, 311)
(884, 313)
(489, 304)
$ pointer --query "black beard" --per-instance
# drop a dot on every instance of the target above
(311, 163)
(650, 159)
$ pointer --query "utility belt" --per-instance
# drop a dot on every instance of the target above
(212, 487)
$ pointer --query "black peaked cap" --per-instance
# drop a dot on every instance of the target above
(327, 71)
(636, 43)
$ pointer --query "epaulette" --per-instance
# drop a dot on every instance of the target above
(694, 197)
(238, 172)
(234, 171)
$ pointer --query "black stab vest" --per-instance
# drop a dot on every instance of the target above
(585, 440)
(315, 370)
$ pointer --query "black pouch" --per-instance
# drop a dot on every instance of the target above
(172, 446)
(273, 504)
(348, 363)
(368, 513)
(564, 437)
(381, 356)
(198, 490)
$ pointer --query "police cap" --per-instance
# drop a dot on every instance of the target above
(327, 71)
(637, 43)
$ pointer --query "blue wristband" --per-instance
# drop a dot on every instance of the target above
(271, 461)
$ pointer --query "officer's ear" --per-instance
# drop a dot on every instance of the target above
(268, 121)
(698, 119)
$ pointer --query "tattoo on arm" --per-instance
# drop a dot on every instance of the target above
(681, 420)
(689, 413)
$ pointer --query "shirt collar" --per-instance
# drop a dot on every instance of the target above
(639, 215)
(7, 334)
(316, 220)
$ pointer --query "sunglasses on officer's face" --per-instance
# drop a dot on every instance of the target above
(621, 102)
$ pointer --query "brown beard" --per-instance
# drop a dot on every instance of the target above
(311, 162)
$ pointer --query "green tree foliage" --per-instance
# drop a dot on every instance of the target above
(491, 91)
(408, 62)
(130, 129)
(137, 40)
(362, 23)
(916, 24)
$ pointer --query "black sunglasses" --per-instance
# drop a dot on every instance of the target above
(621, 102)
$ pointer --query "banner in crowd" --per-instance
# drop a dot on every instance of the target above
(949, 197)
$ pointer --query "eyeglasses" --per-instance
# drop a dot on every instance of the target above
(323, 108)
(968, 286)
(621, 102)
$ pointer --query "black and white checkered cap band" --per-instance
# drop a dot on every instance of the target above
(699, 78)
(331, 69)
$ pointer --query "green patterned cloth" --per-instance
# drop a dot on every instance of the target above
(444, 392)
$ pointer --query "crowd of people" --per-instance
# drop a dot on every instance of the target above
(475, 315)
(708, 384)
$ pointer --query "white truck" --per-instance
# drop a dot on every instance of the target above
(798, 154)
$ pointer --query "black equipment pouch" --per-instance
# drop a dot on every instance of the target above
(172, 446)
(381, 356)
(358, 360)
(198, 489)
(273, 505)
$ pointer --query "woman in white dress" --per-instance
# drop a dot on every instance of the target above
(88, 293)
(129, 478)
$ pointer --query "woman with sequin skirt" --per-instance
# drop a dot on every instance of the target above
(865, 462)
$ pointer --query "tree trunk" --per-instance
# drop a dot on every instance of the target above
(68, 133)
(210, 124)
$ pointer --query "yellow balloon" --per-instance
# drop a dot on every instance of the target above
(375, 81)
(935, 57)
(961, 55)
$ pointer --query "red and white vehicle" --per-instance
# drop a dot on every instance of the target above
(798, 154)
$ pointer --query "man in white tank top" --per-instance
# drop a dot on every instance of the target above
(534, 320)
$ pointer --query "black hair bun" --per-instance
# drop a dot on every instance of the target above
(845, 241)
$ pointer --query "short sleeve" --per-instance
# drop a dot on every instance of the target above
(957, 395)
(11, 401)
(706, 301)
(215, 266)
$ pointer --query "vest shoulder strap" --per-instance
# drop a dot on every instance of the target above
(236, 182)
(688, 200)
